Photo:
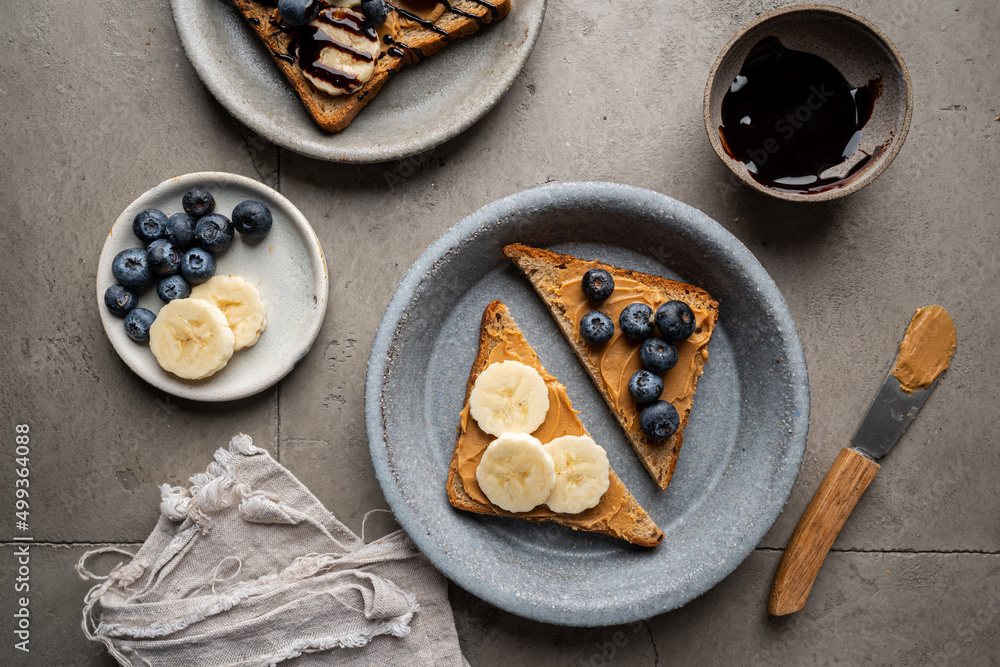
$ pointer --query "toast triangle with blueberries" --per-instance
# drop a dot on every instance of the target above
(557, 278)
(617, 514)
(412, 31)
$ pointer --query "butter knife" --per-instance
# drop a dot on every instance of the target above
(887, 418)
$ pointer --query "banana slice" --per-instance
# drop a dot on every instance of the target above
(342, 57)
(516, 473)
(509, 397)
(240, 302)
(191, 338)
(583, 473)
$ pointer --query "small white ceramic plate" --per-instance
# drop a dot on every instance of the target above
(286, 266)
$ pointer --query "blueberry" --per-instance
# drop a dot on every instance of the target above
(120, 299)
(150, 225)
(252, 219)
(596, 327)
(298, 12)
(375, 11)
(659, 420)
(164, 258)
(214, 232)
(180, 230)
(636, 320)
(197, 266)
(597, 284)
(173, 287)
(658, 355)
(645, 387)
(131, 268)
(137, 324)
(675, 320)
(198, 202)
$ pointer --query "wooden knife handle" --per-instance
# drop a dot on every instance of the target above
(819, 526)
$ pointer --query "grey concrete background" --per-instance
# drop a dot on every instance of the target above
(101, 104)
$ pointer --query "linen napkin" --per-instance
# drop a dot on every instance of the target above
(246, 567)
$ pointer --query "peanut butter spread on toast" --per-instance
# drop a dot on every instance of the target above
(427, 10)
(560, 420)
(619, 358)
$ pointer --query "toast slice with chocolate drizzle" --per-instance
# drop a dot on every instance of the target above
(413, 30)
(618, 513)
(557, 279)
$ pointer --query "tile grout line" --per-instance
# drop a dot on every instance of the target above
(277, 387)
(66, 545)
(763, 549)
(277, 422)
(895, 551)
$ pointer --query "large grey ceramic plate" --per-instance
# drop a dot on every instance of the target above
(421, 107)
(742, 447)
(286, 266)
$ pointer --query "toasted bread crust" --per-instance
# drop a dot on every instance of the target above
(643, 531)
(335, 112)
(542, 267)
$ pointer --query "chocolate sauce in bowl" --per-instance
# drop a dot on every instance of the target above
(789, 116)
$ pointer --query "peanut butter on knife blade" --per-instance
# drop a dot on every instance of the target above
(926, 349)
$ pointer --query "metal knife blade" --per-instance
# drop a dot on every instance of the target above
(888, 416)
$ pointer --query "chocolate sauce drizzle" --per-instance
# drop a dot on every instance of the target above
(494, 10)
(396, 49)
(423, 23)
(448, 7)
(309, 41)
(275, 20)
(348, 21)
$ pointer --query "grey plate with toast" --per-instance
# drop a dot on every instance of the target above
(742, 447)
(423, 106)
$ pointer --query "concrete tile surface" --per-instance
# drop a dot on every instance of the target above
(81, 143)
(869, 608)
(55, 595)
(915, 575)
(729, 625)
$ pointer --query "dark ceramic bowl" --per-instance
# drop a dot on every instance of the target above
(859, 50)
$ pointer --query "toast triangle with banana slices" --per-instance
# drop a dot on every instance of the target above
(557, 278)
(412, 31)
(617, 514)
